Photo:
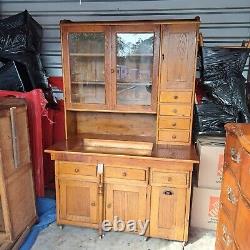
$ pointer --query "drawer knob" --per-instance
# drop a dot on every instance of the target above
(235, 156)
(92, 204)
(174, 124)
(109, 205)
(168, 192)
(176, 97)
(124, 174)
(175, 111)
(231, 196)
(77, 170)
(170, 179)
(173, 136)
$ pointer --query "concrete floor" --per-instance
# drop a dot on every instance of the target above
(73, 238)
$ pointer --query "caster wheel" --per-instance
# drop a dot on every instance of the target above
(146, 238)
(61, 227)
(184, 243)
(100, 237)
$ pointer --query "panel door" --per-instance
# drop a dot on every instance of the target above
(178, 66)
(135, 59)
(78, 201)
(86, 53)
(125, 202)
(167, 219)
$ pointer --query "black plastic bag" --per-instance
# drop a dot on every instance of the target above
(20, 41)
(210, 119)
(223, 80)
(10, 78)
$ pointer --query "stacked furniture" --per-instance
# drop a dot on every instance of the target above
(129, 93)
(234, 215)
(17, 203)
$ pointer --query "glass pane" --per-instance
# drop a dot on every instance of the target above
(87, 67)
(134, 68)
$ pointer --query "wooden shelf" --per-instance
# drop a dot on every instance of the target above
(87, 54)
(135, 83)
(136, 55)
(88, 83)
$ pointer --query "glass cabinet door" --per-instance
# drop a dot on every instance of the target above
(87, 67)
(135, 68)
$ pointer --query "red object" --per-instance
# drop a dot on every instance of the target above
(53, 132)
(36, 110)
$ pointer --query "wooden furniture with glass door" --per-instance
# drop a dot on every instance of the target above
(129, 93)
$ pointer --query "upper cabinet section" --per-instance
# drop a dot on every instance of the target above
(116, 66)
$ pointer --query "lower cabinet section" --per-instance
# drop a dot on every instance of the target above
(78, 201)
(167, 219)
(157, 204)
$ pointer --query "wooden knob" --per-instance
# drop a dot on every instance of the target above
(174, 124)
(77, 170)
(173, 136)
(109, 205)
(169, 179)
(176, 97)
(92, 204)
(112, 71)
(124, 174)
(175, 111)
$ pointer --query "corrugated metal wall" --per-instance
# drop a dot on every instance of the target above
(224, 22)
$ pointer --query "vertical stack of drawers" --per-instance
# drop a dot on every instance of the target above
(177, 81)
(175, 108)
(233, 230)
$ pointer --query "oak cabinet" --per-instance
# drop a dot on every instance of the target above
(78, 201)
(167, 219)
(126, 202)
(131, 83)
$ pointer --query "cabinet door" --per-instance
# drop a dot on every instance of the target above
(78, 201)
(85, 62)
(178, 65)
(167, 219)
(125, 202)
(135, 59)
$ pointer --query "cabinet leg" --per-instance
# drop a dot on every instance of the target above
(60, 226)
(184, 243)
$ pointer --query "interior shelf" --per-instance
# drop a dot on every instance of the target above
(88, 82)
(87, 54)
(135, 83)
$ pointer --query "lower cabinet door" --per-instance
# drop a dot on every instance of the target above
(78, 201)
(167, 217)
(126, 203)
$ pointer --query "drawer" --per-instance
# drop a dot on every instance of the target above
(225, 231)
(242, 223)
(174, 136)
(175, 110)
(245, 174)
(173, 179)
(229, 193)
(169, 122)
(125, 173)
(176, 97)
(76, 168)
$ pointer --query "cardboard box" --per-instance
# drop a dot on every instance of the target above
(205, 208)
(211, 150)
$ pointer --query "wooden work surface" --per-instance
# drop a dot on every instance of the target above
(164, 152)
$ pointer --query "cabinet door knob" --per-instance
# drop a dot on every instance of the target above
(173, 136)
(92, 204)
(169, 179)
(168, 192)
(176, 97)
(112, 71)
(109, 205)
(174, 124)
(175, 111)
(124, 174)
(77, 170)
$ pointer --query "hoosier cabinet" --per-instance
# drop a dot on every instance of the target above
(129, 94)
